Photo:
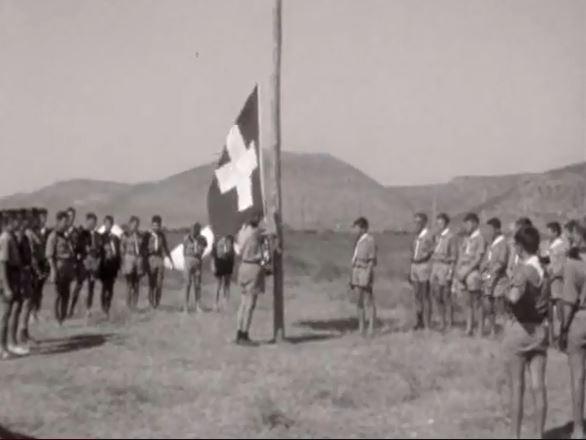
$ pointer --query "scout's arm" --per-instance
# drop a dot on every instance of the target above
(569, 302)
(50, 254)
(8, 294)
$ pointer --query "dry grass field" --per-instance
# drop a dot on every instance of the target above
(163, 374)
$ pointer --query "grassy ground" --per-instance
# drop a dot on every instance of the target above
(162, 374)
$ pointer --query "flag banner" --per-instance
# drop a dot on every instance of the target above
(177, 252)
(235, 192)
(116, 230)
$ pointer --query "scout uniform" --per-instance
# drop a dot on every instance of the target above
(494, 268)
(223, 257)
(130, 251)
(110, 252)
(363, 262)
(156, 247)
(444, 258)
(473, 249)
(527, 334)
(574, 293)
(251, 274)
(423, 247)
(10, 256)
(90, 251)
(556, 252)
(193, 249)
(26, 264)
(60, 250)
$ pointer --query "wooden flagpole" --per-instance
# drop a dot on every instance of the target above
(274, 202)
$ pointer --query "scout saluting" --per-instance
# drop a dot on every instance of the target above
(494, 276)
(157, 250)
(132, 260)
(423, 248)
(442, 270)
(363, 262)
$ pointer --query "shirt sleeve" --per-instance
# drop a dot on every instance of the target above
(571, 290)
(50, 251)
(4, 252)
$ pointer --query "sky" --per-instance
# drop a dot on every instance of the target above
(410, 92)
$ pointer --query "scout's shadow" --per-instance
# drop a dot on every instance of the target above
(73, 343)
(5, 433)
(346, 325)
(564, 431)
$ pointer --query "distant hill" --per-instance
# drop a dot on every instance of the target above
(555, 194)
(319, 192)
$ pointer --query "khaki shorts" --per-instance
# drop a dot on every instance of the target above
(362, 277)
(495, 289)
(132, 265)
(577, 333)
(65, 271)
(192, 269)
(441, 274)
(556, 288)
(525, 339)
(251, 278)
(420, 272)
(473, 281)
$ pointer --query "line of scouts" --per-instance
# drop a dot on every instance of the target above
(538, 288)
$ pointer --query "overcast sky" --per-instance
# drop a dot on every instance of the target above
(408, 91)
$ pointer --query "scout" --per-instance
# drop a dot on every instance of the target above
(494, 276)
(525, 336)
(194, 245)
(468, 268)
(132, 260)
(89, 256)
(61, 257)
(423, 248)
(157, 250)
(38, 272)
(19, 326)
(573, 327)
(9, 280)
(72, 233)
(223, 255)
(521, 222)
(363, 263)
(554, 259)
(109, 264)
(251, 276)
(41, 233)
(443, 261)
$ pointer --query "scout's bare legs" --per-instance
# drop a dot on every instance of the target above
(193, 278)
(4, 323)
(537, 365)
(132, 284)
(366, 311)
(577, 365)
(446, 294)
(223, 291)
(438, 303)
(487, 311)
(107, 294)
(472, 303)
(422, 304)
(517, 384)
(245, 311)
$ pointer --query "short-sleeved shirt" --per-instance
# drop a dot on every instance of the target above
(423, 246)
(130, 244)
(59, 247)
(574, 289)
(194, 247)
(497, 257)
(533, 303)
(249, 242)
(156, 243)
(365, 252)
(473, 249)
(556, 252)
(446, 248)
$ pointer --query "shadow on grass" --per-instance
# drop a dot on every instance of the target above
(564, 431)
(340, 325)
(73, 343)
(5, 433)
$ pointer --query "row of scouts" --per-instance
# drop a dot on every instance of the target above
(537, 286)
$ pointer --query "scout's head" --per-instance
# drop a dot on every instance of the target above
(62, 221)
(133, 224)
(471, 222)
(420, 221)
(442, 221)
(71, 215)
(361, 226)
(196, 230)
(493, 228)
(156, 223)
(108, 223)
(8, 222)
(42, 219)
(521, 222)
(527, 241)
(24, 219)
(553, 231)
(34, 216)
(91, 221)
(255, 219)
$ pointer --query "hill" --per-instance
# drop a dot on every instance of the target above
(319, 192)
(559, 193)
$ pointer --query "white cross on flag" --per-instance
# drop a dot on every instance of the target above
(235, 192)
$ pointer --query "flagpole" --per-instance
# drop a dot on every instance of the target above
(274, 143)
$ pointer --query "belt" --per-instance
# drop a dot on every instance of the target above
(251, 262)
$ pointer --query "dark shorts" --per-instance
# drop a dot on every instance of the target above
(223, 267)
(109, 269)
(156, 269)
(26, 283)
(66, 270)
(577, 333)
